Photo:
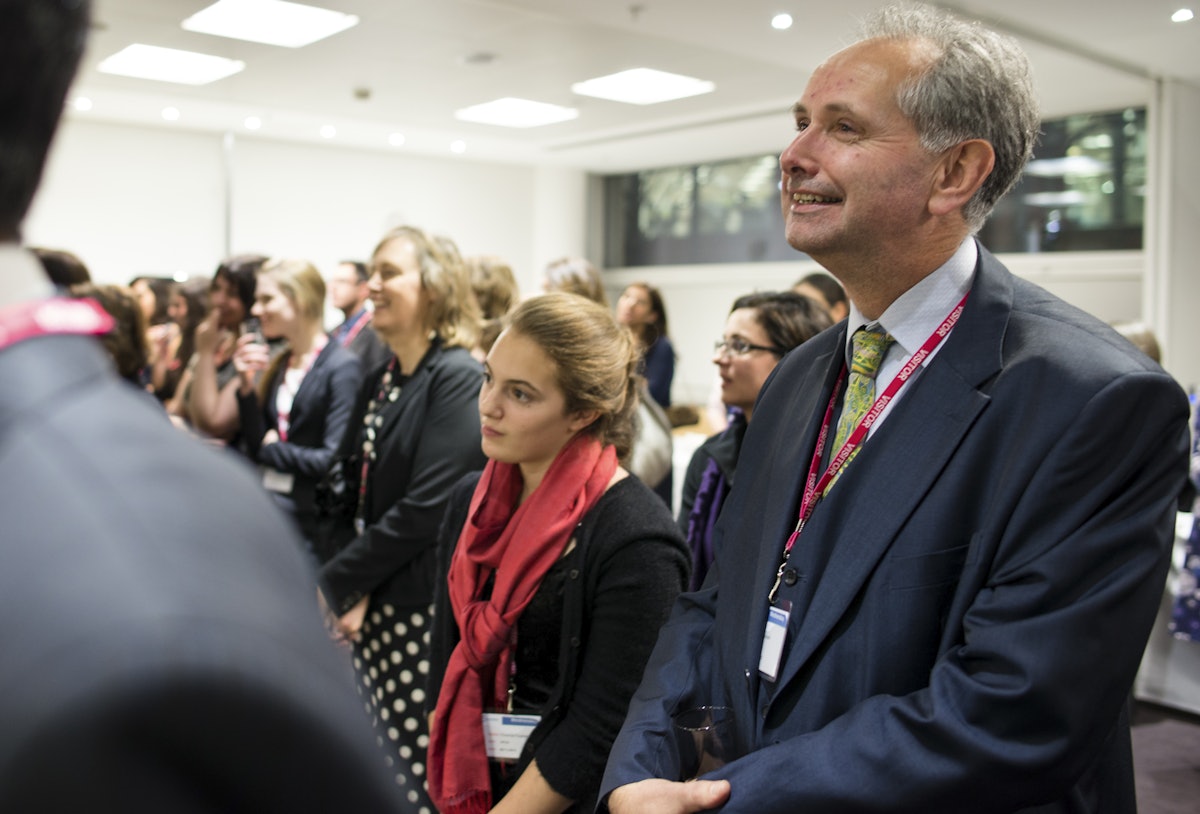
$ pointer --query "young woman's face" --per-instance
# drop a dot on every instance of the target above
(223, 298)
(275, 310)
(522, 409)
(634, 308)
(743, 374)
(177, 309)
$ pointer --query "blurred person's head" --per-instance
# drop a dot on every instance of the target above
(40, 46)
(640, 308)
(1142, 337)
(823, 289)
(126, 343)
(289, 295)
(153, 296)
(574, 275)
(348, 289)
(187, 303)
(759, 330)
(62, 267)
(232, 291)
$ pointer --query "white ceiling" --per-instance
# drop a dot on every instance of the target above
(411, 57)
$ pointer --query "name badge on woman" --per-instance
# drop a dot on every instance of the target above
(504, 734)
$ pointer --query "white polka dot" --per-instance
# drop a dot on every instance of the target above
(406, 677)
(413, 796)
(423, 741)
(385, 637)
(396, 657)
(390, 686)
(366, 680)
(376, 618)
(418, 695)
(418, 769)
(401, 780)
(388, 761)
(405, 752)
(373, 673)
(399, 705)
(357, 663)
(393, 733)
(425, 638)
(418, 619)
(374, 645)
(423, 667)
(400, 628)
(411, 724)
(383, 713)
(412, 648)
(388, 610)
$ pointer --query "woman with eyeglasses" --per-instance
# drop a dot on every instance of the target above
(759, 330)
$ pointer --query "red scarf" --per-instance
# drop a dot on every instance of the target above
(519, 544)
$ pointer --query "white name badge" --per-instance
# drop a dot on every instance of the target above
(275, 481)
(504, 734)
(773, 640)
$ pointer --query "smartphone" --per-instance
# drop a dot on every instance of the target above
(252, 326)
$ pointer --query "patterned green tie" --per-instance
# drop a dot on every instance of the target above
(867, 349)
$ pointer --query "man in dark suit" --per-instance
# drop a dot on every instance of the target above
(349, 292)
(162, 645)
(952, 624)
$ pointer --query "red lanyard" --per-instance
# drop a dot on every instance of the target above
(285, 416)
(815, 487)
(355, 329)
(58, 315)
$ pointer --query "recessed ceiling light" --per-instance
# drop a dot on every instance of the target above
(273, 22)
(781, 22)
(396, 139)
(458, 146)
(252, 122)
(171, 114)
(643, 86)
(169, 65)
(1182, 16)
(511, 112)
(328, 131)
(81, 103)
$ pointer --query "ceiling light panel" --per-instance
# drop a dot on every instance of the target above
(643, 86)
(273, 22)
(511, 112)
(169, 65)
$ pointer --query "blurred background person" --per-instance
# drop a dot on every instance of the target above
(577, 563)
(826, 291)
(210, 388)
(174, 343)
(574, 275)
(162, 653)
(62, 267)
(496, 291)
(126, 342)
(349, 293)
(152, 294)
(413, 434)
(294, 419)
(759, 330)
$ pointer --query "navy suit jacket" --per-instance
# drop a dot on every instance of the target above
(317, 423)
(971, 598)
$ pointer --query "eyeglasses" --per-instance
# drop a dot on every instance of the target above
(740, 347)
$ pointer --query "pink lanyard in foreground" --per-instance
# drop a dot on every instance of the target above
(814, 488)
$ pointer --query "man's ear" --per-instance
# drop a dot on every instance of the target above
(960, 173)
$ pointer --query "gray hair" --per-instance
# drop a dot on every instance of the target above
(978, 86)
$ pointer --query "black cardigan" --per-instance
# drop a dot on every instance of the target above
(428, 441)
(633, 565)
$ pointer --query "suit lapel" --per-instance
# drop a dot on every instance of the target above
(868, 506)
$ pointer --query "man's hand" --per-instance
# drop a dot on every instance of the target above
(666, 797)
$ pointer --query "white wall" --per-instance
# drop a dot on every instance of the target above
(131, 200)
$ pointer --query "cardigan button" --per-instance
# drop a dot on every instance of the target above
(573, 573)
(575, 641)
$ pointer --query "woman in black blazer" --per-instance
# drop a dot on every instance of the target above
(414, 432)
(295, 419)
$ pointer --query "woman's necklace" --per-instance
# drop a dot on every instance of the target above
(388, 393)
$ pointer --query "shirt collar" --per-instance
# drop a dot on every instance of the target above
(917, 312)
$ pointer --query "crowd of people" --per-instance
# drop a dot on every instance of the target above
(916, 564)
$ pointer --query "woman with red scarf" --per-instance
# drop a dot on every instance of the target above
(560, 568)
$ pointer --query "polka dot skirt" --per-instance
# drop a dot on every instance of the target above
(392, 663)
